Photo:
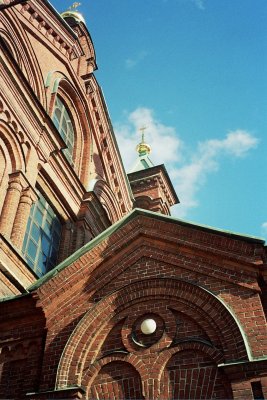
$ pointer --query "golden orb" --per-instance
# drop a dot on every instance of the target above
(73, 14)
(143, 149)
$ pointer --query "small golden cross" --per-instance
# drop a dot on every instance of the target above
(74, 5)
(143, 133)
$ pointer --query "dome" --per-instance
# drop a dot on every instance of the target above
(143, 148)
(76, 15)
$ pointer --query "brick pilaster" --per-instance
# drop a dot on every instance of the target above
(11, 202)
(27, 198)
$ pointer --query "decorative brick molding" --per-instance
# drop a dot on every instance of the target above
(86, 340)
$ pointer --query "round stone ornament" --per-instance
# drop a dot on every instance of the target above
(148, 326)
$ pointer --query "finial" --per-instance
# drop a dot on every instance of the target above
(73, 13)
(143, 148)
(74, 6)
(143, 133)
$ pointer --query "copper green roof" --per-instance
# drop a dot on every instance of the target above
(134, 214)
(143, 162)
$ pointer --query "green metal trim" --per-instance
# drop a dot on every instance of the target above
(60, 19)
(87, 247)
(58, 390)
(207, 228)
(243, 334)
(15, 297)
(134, 214)
(48, 78)
(142, 163)
(254, 360)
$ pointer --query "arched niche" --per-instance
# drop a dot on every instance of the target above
(192, 373)
(106, 198)
(12, 148)
(58, 84)
(12, 158)
(15, 41)
(84, 345)
(116, 380)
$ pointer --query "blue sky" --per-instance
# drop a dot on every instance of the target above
(193, 72)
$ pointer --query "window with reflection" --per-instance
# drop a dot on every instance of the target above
(64, 125)
(42, 237)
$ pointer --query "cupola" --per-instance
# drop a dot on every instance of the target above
(151, 184)
(72, 16)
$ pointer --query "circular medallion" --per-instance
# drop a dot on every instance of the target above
(148, 326)
(147, 330)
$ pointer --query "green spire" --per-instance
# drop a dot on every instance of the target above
(143, 149)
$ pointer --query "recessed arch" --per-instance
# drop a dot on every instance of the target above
(12, 157)
(192, 372)
(17, 43)
(85, 336)
(10, 46)
(116, 378)
(58, 85)
(13, 146)
(107, 199)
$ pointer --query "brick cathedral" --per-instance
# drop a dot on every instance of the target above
(103, 294)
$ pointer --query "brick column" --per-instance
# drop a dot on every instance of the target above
(28, 197)
(83, 234)
(11, 203)
(80, 234)
(66, 242)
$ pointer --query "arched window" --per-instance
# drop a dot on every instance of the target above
(64, 125)
(42, 237)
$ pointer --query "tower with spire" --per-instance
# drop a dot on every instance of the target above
(151, 184)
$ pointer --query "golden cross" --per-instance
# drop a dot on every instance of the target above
(143, 133)
(74, 5)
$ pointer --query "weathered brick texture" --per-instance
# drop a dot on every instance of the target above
(76, 333)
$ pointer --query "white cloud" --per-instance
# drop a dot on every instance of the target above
(132, 62)
(206, 159)
(188, 169)
(236, 143)
(264, 228)
(164, 141)
(199, 4)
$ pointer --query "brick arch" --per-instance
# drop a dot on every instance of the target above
(114, 378)
(58, 83)
(192, 373)
(87, 337)
(107, 199)
(11, 157)
(16, 39)
(11, 147)
(4, 161)
(191, 345)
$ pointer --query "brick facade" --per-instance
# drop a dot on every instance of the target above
(75, 331)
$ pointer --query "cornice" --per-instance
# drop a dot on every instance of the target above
(49, 23)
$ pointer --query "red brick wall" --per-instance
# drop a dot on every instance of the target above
(178, 280)
(22, 336)
(117, 380)
(82, 326)
(177, 275)
(193, 375)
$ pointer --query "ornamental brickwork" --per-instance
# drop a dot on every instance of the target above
(83, 267)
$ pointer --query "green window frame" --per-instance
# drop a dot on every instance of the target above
(42, 237)
(64, 125)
